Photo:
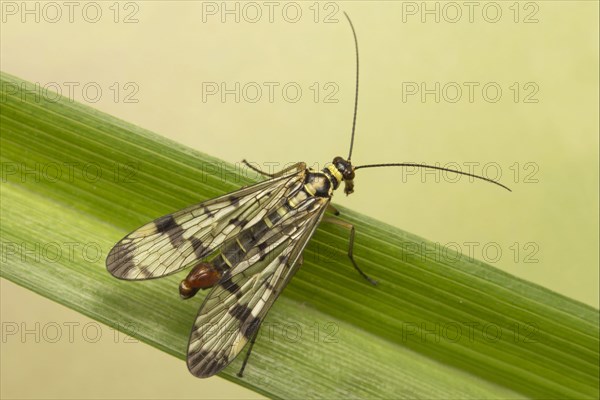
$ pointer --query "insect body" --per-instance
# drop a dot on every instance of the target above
(245, 246)
(314, 184)
(260, 232)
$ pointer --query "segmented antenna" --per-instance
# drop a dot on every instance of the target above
(483, 178)
(356, 94)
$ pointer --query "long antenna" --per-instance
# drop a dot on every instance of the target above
(398, 164)
(433, 167)
(356, 94)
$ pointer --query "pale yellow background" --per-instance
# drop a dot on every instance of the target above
(170, 52)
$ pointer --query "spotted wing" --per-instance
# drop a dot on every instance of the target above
(176, 241)
(236, 306)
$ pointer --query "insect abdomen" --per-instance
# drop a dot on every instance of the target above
(202, 276)
(318, 184)
(234, 251)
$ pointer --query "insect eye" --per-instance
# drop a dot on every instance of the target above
(340, 164)
(348, 174)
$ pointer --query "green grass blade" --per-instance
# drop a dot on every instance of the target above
(435, 327)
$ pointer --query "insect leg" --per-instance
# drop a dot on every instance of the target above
(334, 210)
(349, 226)
(241, 373)
(296, 167)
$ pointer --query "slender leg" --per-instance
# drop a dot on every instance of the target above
(334, 210)
(349, 226)
(241, 373)
(297, 167)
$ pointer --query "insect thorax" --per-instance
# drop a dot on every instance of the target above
(322, 183)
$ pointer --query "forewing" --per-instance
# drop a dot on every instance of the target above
(177, 240)
(235, 308)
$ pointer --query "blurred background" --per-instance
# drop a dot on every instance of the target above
(504, 89)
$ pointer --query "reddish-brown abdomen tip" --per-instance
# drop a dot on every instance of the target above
(202, 276)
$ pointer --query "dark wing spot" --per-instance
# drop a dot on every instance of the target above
(232, 288)
(249, 329)
(120, 259)
(240, 312)
(165, 223)
(206, 211)
(236, 221)
(262, 250)
(168, 226)
(144, 272)
(198, 247)
(206, 363)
